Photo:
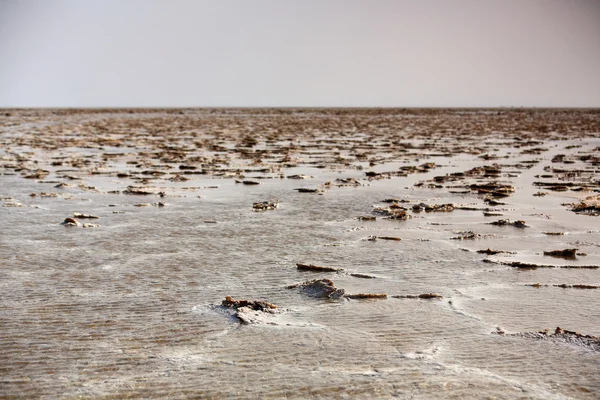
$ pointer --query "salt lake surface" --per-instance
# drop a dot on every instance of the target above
(132, 307)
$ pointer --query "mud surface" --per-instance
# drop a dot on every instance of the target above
(124, 230)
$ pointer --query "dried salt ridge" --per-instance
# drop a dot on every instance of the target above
(341, 182)
(566, 186)
(564, 286)
(248, 182)
(433, 208)
(325, 288)
(402, 172)
(374, 238)
(394, 200)
(493, 189)
(37, 174)
(560, 336)
(158, 204)
(468, 235)
(533, 265)
(143, 191)
(493, 252)
(426, 296)
(309, 190)
(366, 296)
(80, 215)
(44, 195)
(320, 269)
(362, 276)
(12, 204)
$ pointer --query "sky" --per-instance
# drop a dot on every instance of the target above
(299, 53)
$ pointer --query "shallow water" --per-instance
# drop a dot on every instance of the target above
(131, 308)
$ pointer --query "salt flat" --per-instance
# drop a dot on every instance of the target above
(460, 203)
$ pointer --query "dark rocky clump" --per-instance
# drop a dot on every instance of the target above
(366, 218)
(308, 190)
(566, 253)
(265, 205)
(492, 252)
(507, 222)
(247, 182)
(255, 305)
(250, 311)
(70, 222)
(316, 268)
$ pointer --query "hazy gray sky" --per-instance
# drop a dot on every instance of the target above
(84, 53)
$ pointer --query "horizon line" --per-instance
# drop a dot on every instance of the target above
(299, 107)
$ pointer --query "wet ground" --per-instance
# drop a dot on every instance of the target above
(196, 205)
